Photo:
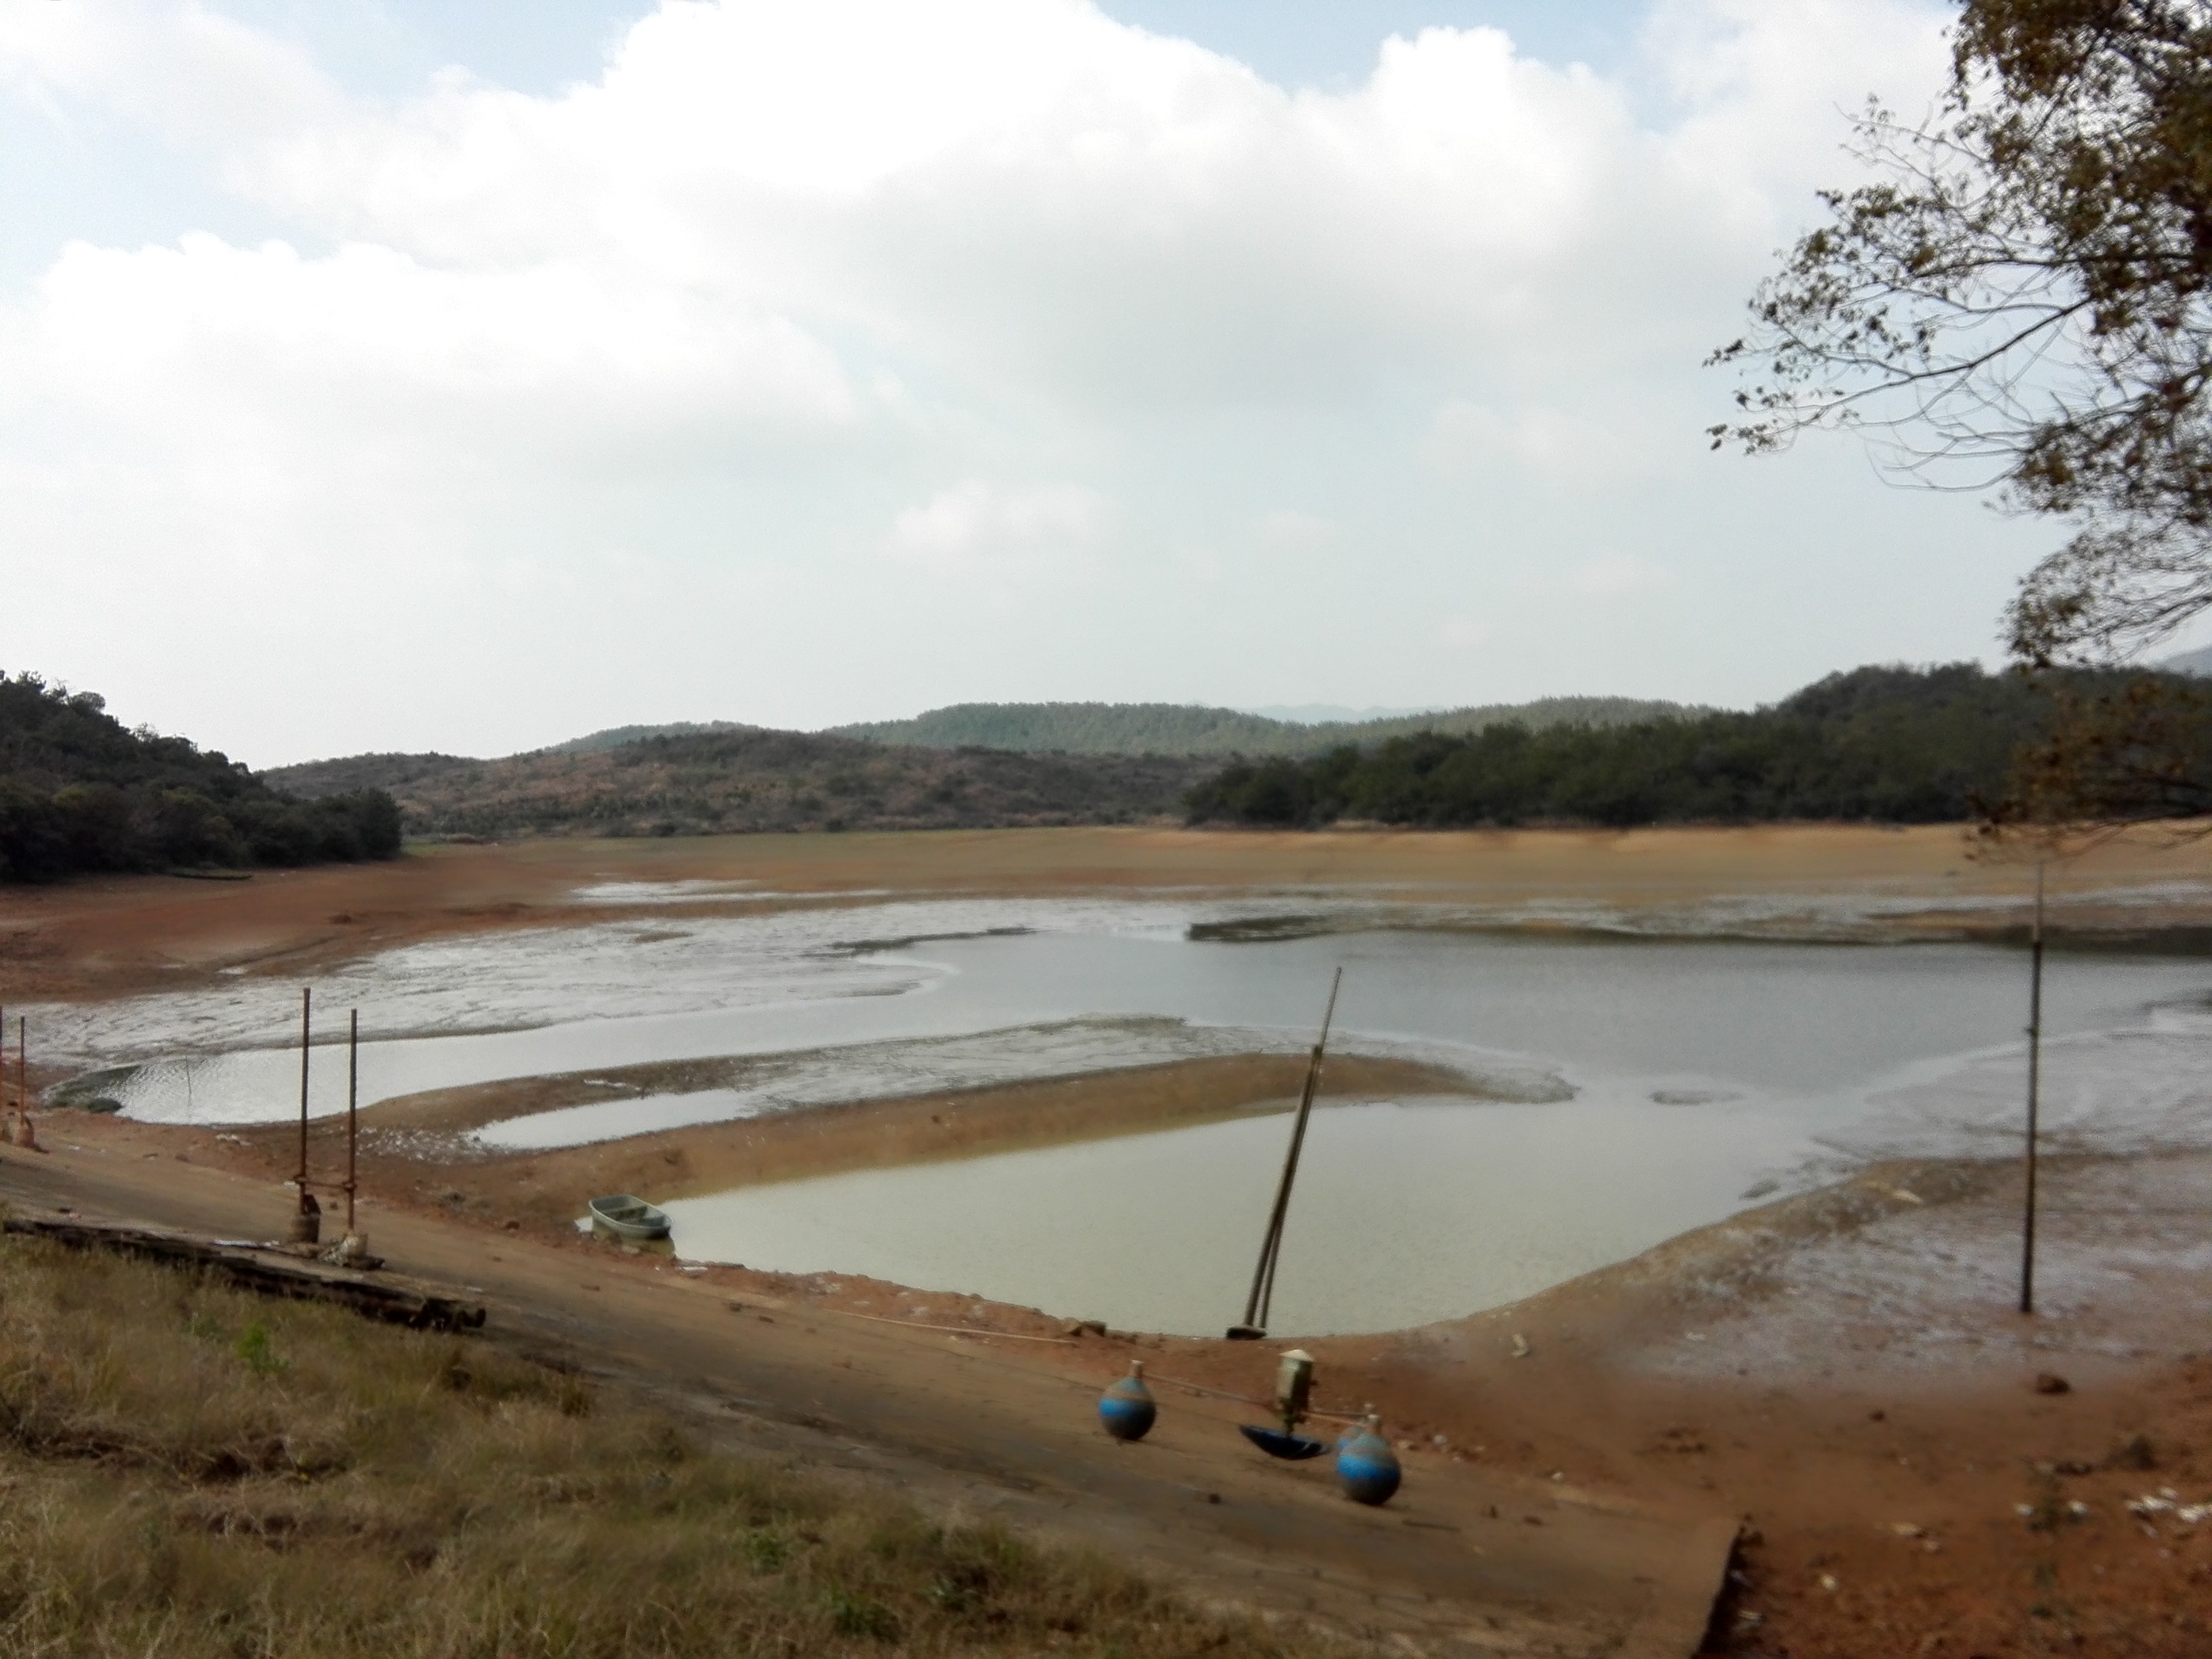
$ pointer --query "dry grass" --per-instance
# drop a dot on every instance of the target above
(185, 1470)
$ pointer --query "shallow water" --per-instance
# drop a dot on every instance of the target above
(1683, 1074)
(1403, 1214)
(1795, 1024)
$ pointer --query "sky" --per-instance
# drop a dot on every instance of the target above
(469, 374)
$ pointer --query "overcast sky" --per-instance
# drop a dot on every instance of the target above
(467, 374)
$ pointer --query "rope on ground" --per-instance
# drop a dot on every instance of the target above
(1243, 1400)
(1071, 1342)
(955, 1330)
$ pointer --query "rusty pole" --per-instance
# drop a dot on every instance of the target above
(306, 1005)
(2034, 1080)
(353, 1107)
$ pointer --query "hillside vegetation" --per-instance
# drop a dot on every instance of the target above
(748, 779)
(193, 1473)
(79, 792)
(1894, 745)
(614, 737)
(1168, 728)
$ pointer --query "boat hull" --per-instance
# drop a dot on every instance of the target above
(631, 1219)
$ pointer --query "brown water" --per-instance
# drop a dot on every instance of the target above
(1402, 1214)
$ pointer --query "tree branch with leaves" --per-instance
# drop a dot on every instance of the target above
(2022, 297)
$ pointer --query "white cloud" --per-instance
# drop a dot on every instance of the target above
(264, 345)
(728, 320)
(973, 529)
(183, 70)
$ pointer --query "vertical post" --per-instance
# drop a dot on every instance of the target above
(2034, 1080)
(353, 1107)
(306, 1017)
(23, 1078)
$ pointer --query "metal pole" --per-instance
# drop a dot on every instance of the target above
(307, 1006)
(353, 1107)
(1263, 1275)
(2035, 1079)
(23, 1075)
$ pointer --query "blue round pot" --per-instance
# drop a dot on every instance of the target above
(1126, 1409)
(1366, 1467)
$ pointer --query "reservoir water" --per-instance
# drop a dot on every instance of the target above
(1619, 1089)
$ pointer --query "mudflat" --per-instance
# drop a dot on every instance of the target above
(108, 936)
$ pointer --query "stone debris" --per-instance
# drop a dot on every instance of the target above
(2166, 1501)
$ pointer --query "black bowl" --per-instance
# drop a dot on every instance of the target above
(1273, 1442)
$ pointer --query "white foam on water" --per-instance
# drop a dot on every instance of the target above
(2116, 1092)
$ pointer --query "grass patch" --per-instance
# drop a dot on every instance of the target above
(187, 1470)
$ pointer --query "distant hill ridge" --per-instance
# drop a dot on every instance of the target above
(1888, 744)
(614, 736)
(748, 780)
(1168, 728)
(967, 766)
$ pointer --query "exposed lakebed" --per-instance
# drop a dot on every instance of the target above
(1619, 1088)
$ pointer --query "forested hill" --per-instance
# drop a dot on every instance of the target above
(614, 736)
(1897, 745)
(80, 792)
(746, 780)
(1168, 728)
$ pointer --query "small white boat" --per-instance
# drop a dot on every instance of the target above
(620, 1216)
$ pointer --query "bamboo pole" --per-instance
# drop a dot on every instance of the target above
(2034, 1082)
(1257, 1305)
(306, 1029)
(353, 1108)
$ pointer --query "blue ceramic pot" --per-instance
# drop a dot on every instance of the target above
(1126, 1409)
(1366, 1467)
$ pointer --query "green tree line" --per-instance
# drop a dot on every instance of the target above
(1891, 745)
(79, 793)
